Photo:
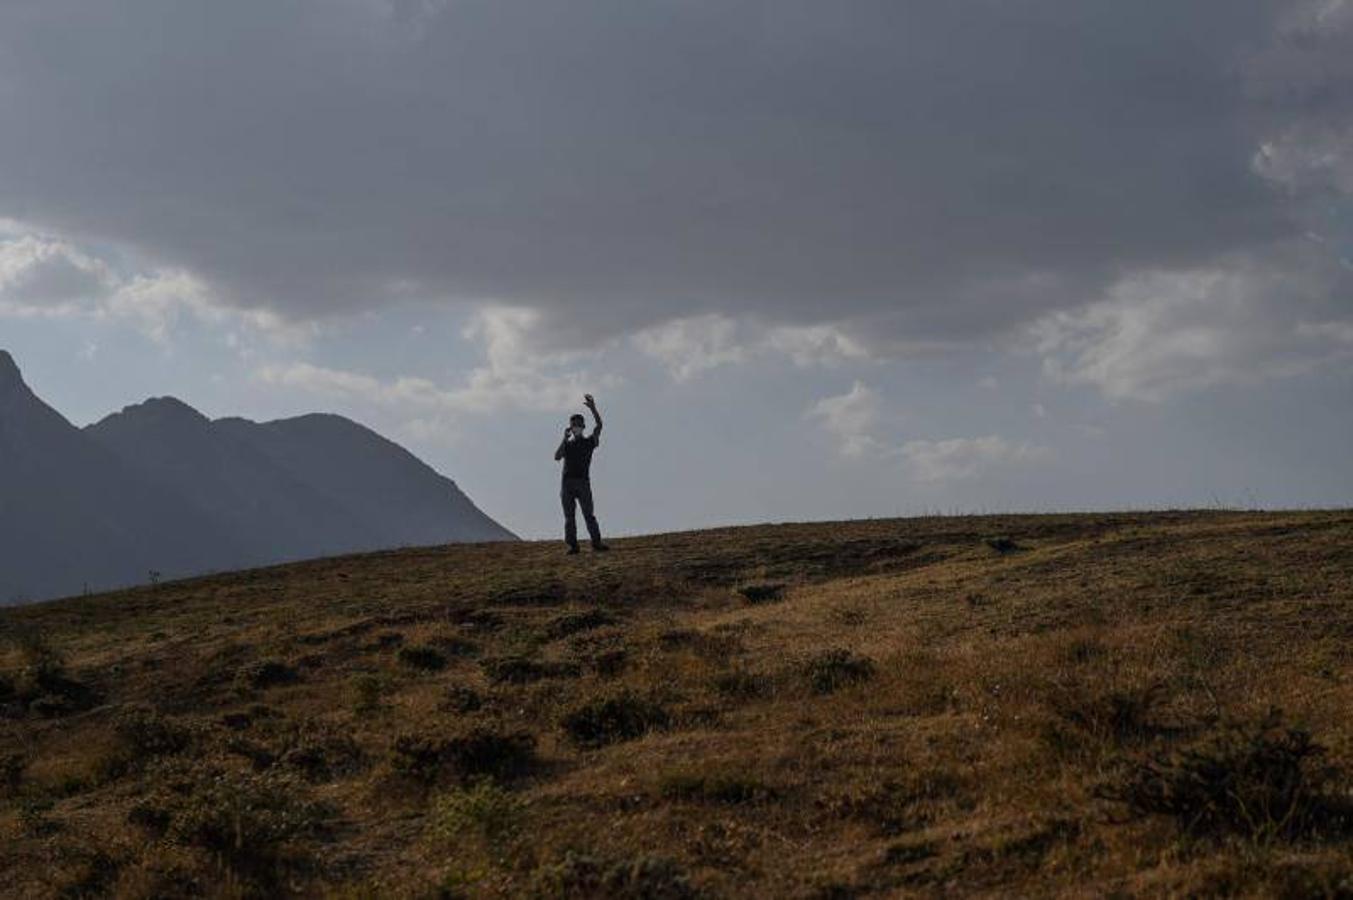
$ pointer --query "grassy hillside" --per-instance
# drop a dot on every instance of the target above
(1146, 704)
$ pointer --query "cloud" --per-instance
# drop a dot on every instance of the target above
(965, 458)
(914, 177)
(1239, 321)
(851, 418)
(516, 375)
(689, 346)
(46, 277)
(1302, 82)
(824, 344)
(483, 391)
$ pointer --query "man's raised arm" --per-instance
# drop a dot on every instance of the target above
(596, 416)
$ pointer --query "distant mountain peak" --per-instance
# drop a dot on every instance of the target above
(10, 376)
(163, 409)
(160, 487)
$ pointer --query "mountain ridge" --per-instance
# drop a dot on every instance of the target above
(158, 487)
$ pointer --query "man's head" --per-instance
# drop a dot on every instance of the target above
(577, 423)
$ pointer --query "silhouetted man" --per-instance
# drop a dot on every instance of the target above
(576, 452)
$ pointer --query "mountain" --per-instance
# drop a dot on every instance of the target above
(73, 515)
(374, 479)
(160, 487)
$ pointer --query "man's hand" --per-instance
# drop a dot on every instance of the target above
(591, 404)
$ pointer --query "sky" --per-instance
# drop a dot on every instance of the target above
(815, 260)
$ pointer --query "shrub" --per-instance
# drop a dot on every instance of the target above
(895, 806)
(609, 663)
(421, 656)
(461, 699)
(321, 756)
(710, 646)
(39, 656)
(584, 876)
(523, 670)
(742, 685)
(367, 690)
(1122, 716)
(266, 673)
(834, 669)
(150, 813)
(43, 687)
(454, 646)
(1262, 782)
(246, 820)
(678, 637)
(728, 788)
(483, 809)
(144, 733)
(477, 752)
(11, 773)
(33, 811)
(768, 592)
(614, 719)
(562, 626)
(1003, 545)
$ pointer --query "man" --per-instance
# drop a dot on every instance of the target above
(576, 452)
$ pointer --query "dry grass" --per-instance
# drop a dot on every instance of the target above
(1040, 705)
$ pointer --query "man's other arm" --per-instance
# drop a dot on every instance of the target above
(596, 418)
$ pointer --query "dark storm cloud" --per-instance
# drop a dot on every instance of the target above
(949, 168)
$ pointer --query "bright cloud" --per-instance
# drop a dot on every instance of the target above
(1159, 332)
(47, 277)
(964, 458)
(851, 419)
(692, 345)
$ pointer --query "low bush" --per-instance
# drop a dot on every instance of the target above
(422, 657)
(582, 876)
(367, 690)
(1263, 782)
(1122, 716)
(1003, 545)
(461, 699)
(43, 687)
(834, 669)
(742, 685)
(524, 670)
(609, 663)
(476, 752)
(143, 732)
(614, 719)
(321, 756)
(266, 673)
(730, 788)
(768, 592)
(483, 809)
(12, 766)
(563, 625)
(247, 821)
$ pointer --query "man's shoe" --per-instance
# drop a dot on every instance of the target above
(573, 551)
(600, 548)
